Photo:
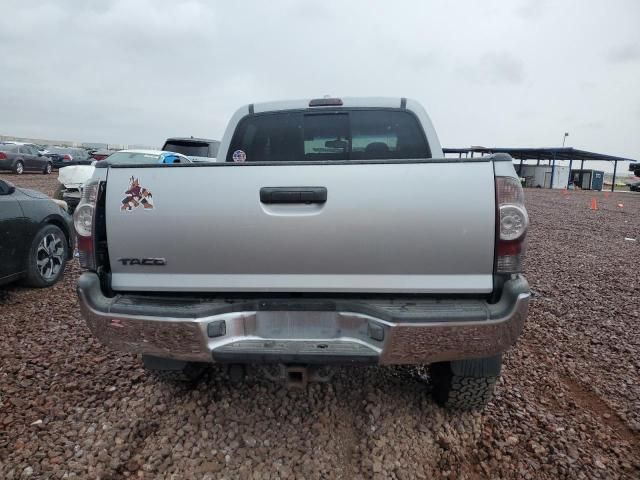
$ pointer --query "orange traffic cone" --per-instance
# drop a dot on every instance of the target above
(594, 204)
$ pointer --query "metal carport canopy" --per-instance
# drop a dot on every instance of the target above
(549, 153)
(559, 153)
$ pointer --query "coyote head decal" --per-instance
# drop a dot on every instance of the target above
(136, 196)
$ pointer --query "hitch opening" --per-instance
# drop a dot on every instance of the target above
(297, 377)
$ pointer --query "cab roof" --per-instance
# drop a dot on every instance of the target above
(347, 102)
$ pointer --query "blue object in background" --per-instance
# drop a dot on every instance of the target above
(168, 159)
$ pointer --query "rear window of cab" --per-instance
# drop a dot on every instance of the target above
(329, 135)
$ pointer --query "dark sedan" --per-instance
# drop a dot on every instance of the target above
(65, 156)
(22, 157)
(36, 237)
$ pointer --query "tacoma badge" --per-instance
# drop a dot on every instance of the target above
(143, 261)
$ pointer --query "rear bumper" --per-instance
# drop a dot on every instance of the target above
(318, 330)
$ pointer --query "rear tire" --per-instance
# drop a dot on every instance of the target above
(465, 384)
(47, 257)
(47, 169)
(173, 371)
(18, 168)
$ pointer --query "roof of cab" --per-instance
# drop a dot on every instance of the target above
(353, 102)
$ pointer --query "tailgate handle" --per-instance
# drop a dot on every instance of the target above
(293, 194)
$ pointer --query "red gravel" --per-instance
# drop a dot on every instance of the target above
(568, 405)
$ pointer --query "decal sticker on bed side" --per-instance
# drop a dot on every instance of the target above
(136, 196)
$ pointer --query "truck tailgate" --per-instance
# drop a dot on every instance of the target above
(423, 227)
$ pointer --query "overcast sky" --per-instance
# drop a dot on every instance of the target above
(492, 73)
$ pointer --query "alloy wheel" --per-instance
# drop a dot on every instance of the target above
(50, 256)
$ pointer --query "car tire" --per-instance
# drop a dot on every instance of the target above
(173, 371)
(47, 169)
(465, 384)
(18, 168)
(47, 257)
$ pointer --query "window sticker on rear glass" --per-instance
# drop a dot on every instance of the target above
(135, 196)
(239, 156)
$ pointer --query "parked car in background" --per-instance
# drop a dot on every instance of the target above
(72, 178)
(39, 148)
(635, 187)
(23, 157)
(65, 156)
(198, 149)
(70, 182)
(145, 157)
(36, 237)
(100, 154)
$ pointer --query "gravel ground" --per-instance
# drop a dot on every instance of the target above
(567, 406)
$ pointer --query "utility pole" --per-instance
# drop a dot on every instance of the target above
(564, 138)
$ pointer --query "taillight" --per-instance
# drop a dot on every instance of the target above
(3, 156)
(66, 158)
(513, 221)
(84, 223)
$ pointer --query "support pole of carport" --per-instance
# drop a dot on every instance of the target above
(570, 176)
(538, 160)
(520, 171)
(613, 182)
(553, 168)
(581, 170)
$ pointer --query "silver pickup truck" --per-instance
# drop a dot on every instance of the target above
(331, 231)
